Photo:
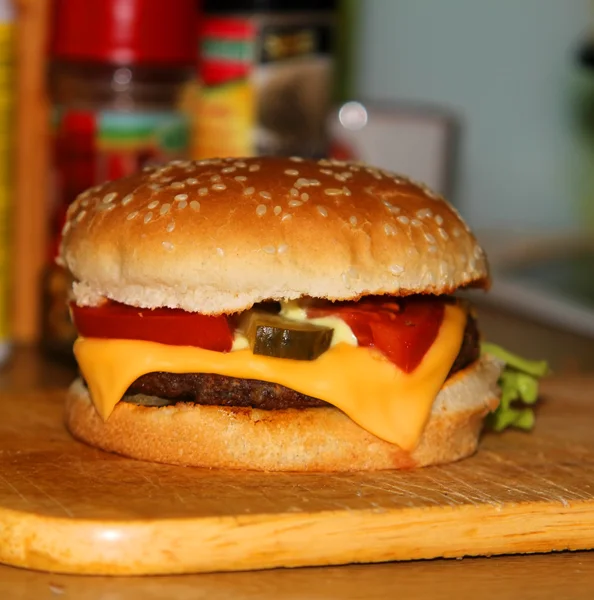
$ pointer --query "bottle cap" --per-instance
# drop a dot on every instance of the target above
(125, 31)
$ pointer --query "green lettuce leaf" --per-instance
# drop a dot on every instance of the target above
(519, 389)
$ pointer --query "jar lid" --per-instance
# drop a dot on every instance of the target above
(125, 31)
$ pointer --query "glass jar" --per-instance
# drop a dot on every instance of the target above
(116, 80)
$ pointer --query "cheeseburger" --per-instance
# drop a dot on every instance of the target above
(275, 314)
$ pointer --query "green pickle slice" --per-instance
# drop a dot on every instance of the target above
(273, 335)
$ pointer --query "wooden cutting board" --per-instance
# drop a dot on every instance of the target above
(69, 508)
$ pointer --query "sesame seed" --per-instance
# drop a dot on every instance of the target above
(324, 162)
(253, 168)
(261, 210)
(478, 252)
(322, 211)
(353, 220)
(182, 205)
(302, 182)
(339, 178)
(153, 204)
(177, 185)
(202, 191)
(170, 227)
(439, 219)
(220, 252)
(389, 229)
(127, 199)
(403, 220)
(148, 217)
(292, 172)
(240, 164)
(456, 232)
(304, 197)
(282, 248)
(430, 238)
(215, 178)
(354, 168)
(327, 171)
(109, 198)
(432, 249)
(424, 213)
(85, 202)
(227, 170)
(294, 203)
(265, 195)
(249, 191)
(346, 191)
(314, 182)
(180, 197)
(346, 174)
(286, 217)
(332, 192)
(443, 233)
(416, 223)
(165, 179)
(195, 205)
(192, 181)
(277, 210)
(132, 215)
(240, 178)
(167, 245)
(218, 187)
(155, 186)
(374, 173)
(66, 227)
(165, 209)
(80, 216)
(296, 158)
(294, 192)
(429, 192)
(396, 269)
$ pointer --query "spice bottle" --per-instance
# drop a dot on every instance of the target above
(116, 76)
(266, 77)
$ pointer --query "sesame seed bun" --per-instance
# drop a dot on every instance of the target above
(311, 439)
(217, 236)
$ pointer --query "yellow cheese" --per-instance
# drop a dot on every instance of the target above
(361, 382)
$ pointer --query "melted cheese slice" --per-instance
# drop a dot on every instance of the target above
(372, 391)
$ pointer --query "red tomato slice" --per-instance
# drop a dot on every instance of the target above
(402, 330)
(164, 325)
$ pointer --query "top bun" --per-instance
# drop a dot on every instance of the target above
(217, 236)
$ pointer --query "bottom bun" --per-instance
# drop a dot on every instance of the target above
(312, 439)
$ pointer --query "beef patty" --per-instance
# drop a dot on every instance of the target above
(209, 389)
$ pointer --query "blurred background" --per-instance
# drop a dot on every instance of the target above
(490, 103)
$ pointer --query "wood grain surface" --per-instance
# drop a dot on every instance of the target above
(69, 508)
